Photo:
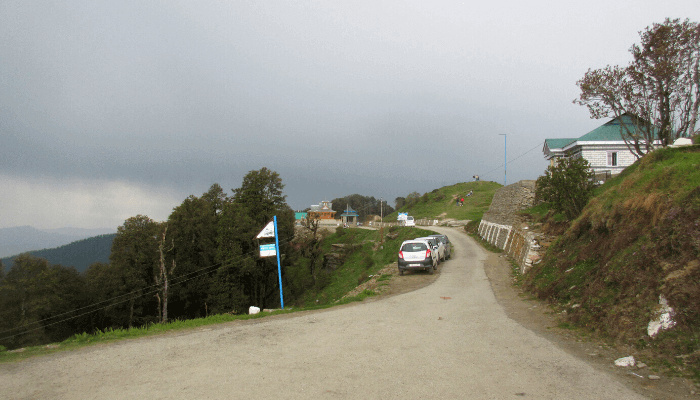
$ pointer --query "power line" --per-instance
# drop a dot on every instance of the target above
(176, 281)
(501, 166)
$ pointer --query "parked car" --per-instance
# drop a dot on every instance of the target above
(435, 245)
(417, 254)
(446, 242)
(410, 221)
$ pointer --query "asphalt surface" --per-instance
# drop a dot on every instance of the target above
(449, 340)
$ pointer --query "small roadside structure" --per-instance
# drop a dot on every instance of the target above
(350, 216)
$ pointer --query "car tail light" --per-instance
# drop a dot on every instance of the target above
(427, 254)
(401, 255)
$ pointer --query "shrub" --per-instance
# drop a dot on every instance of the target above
(323, 279)
(367, 261)
(567, 186)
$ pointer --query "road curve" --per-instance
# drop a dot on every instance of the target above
(449, 340)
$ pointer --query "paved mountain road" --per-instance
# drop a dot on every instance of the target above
(449, 340)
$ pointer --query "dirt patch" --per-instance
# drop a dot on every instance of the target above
(387, 282)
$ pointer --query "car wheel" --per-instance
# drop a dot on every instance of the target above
(431, 270)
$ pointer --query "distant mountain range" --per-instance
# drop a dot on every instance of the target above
(20, 239)
(66, 246)
(79, 254)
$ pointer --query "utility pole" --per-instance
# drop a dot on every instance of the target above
(381, 211)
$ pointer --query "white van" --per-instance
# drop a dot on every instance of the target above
(410, 221)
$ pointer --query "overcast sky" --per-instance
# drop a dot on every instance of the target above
(109, 109)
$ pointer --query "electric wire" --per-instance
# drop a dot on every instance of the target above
(176, 281)
(501, 166)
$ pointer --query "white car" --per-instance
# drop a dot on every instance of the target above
(410, 221)
(435, 245)
(417, 254)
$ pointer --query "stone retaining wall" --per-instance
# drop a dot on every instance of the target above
(502, 227)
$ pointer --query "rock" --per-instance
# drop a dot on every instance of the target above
(253, 310)
(654, 377)
(625, 362)
(664, 320)
(641, 365)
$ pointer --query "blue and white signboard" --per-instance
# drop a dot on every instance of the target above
(402, 216)
(268, 250)
(272, 249)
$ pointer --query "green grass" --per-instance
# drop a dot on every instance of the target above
(543, 212)
(441, 201)
(346, 277)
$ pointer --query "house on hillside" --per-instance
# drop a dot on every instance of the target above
(299, 217)
(350, 216)
(322, 211)
(603, 148)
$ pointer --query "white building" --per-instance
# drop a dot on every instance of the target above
(603, 148)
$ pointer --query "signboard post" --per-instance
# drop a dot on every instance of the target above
(269, 250)
(279, 269)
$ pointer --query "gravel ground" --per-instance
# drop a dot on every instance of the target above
(455, 334)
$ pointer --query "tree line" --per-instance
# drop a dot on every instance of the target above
(363, 205)
(202, 260)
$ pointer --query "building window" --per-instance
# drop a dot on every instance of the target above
(612, 159)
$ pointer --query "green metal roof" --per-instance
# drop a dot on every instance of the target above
(557, 143)
(608, 132)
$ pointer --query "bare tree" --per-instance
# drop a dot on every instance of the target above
(312, 245)
(162, 277)
(657, 96)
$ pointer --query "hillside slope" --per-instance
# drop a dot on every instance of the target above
(441, 203)
(636, 244)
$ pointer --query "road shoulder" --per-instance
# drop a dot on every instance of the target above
(540, 318)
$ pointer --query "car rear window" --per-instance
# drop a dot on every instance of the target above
(414, 247)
